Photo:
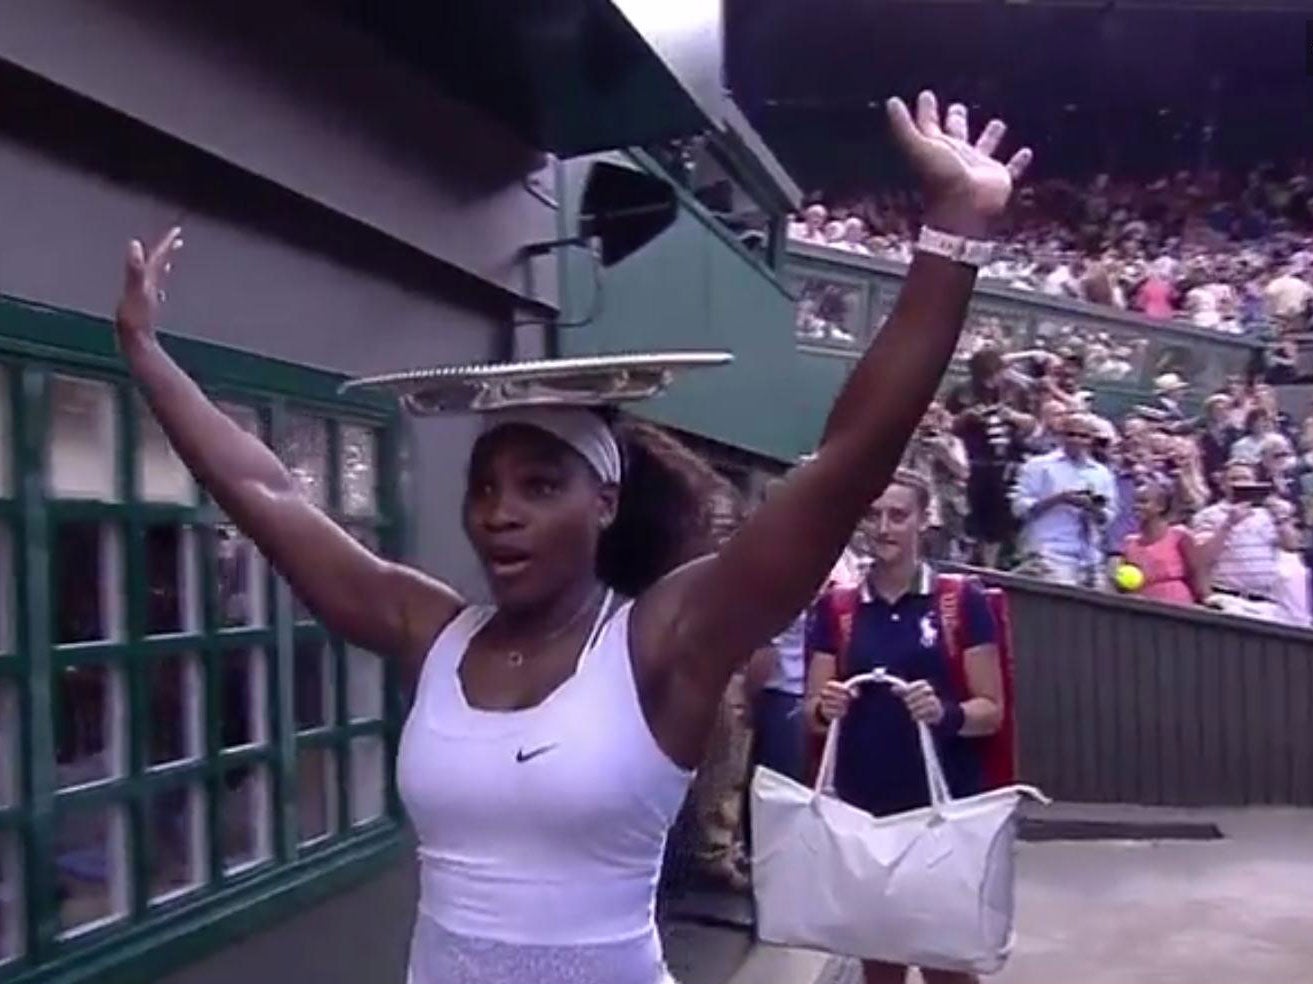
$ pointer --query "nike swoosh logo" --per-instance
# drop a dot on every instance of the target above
(523, 756)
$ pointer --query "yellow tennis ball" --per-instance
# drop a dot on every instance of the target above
(1128, 577)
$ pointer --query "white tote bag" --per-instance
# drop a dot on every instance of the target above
(931, 888)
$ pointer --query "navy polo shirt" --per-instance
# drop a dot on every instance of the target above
(879, 767)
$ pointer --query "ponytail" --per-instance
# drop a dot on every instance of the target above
(664, 514)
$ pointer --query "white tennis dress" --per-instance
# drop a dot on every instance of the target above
(541, 831)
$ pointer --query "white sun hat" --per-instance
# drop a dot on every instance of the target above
(557, 396)
(588, 381)
(1169, 382)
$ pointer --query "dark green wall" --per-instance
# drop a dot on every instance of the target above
(691, 288)
(695, 287)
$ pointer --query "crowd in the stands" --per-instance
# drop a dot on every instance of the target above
(1231, 253)
(1213, 509)
(1193, 497)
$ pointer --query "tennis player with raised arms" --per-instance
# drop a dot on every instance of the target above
(553, 735)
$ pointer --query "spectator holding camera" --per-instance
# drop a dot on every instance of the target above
(940, 455)
(1240, 540)
(1064, 500)
(992, 433)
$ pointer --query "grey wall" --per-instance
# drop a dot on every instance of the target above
(281, 91)
(344, 253)
(692, 288)
(263, 269)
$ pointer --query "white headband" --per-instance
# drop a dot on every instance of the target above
(581, 429)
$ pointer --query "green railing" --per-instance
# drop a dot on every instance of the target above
(843, 299)
(185, 752)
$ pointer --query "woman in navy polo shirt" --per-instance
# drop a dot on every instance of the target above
(897, 627)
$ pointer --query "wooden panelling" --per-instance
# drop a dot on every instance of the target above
(1122, 700)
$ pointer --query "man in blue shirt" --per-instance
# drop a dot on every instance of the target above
(896, 626)
(1065, 500)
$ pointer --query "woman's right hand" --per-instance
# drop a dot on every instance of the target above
(143, 287)
(372, 602)
(835, 698)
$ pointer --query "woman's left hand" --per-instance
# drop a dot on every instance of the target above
(923, 703)
(964, 186)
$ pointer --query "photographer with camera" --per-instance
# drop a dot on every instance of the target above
(1240, 543)
(992, 433)
(940, 455)
(1064, 500)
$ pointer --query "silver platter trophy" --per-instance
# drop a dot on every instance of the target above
(595, 380)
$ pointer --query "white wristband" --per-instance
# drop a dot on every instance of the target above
(959, 249)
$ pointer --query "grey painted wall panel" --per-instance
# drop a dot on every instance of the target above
(1300, 675)
(288, 94)
(253, 287)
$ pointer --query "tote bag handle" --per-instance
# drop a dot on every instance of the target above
(940, 795)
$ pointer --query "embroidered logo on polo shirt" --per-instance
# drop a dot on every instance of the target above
(929, 634)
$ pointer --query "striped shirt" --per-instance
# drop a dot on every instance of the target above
(1248, 562)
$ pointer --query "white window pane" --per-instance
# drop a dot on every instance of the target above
(89, 583)
(12, 909)
(89, 724)
(161, 475)
(83, 439)
(247, 418)
(172, 584)
(312, 685)
(246, 834)
(9, 745)
(7, 585)
(91, 868)
(316, 794)
(173, 683)
(177, 833)
(240, 579)
(7, 441)
(364, 685)
(245, 698)
(304, 450)
(368, 770)
(359, 470)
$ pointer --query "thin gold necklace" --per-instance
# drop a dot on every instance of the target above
(516, 657)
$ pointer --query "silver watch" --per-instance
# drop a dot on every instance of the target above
(959, 249)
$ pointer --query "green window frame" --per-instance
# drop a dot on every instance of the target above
(185, 752)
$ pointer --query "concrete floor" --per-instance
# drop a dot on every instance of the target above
(1238, 910)
(1234, 911)
(699, 954)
